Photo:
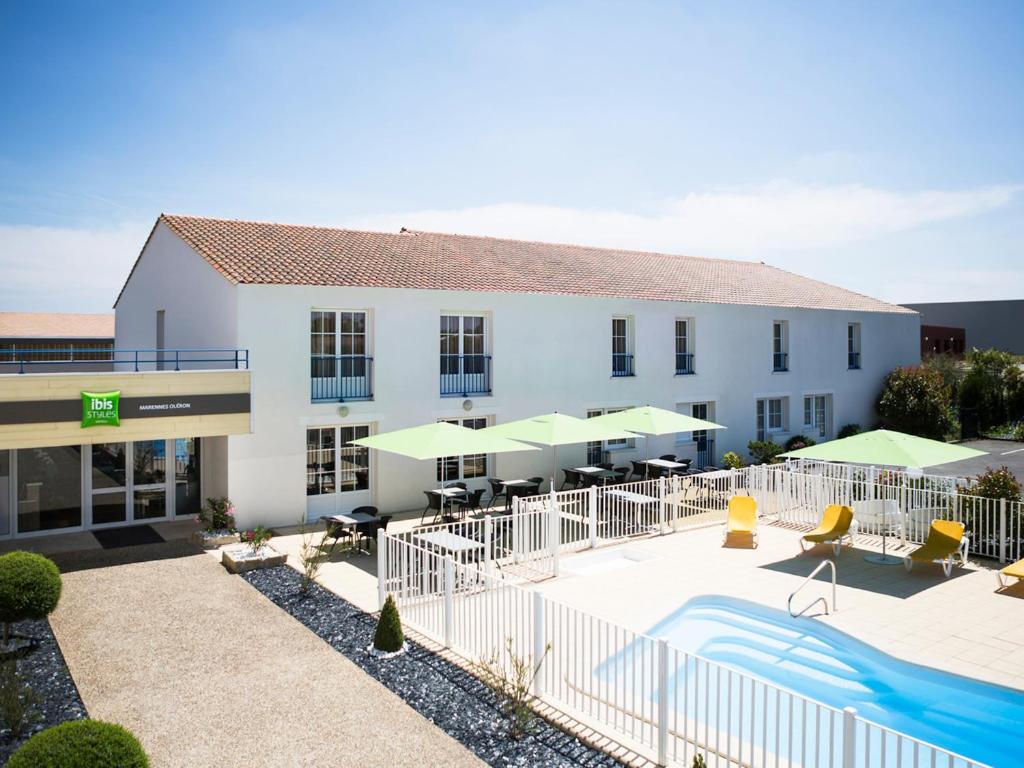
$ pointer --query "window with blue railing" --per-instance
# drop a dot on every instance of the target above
(340, 366)
(465, 365)
(622, 346)
(684, 347)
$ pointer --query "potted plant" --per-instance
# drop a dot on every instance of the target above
(217, 518)
(256, 553)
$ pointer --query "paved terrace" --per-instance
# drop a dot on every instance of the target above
(961, 624)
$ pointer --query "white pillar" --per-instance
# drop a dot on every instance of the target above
(538, 644)
(592, 515)
(1002, 531)
(449, 602)
(554, 531)
(661, 506)
(849, 737)
(488, 544)
(662, 701)
(382, 567)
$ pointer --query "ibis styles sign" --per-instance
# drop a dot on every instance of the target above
(101, 409)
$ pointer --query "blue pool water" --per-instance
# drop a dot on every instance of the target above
(981, 721)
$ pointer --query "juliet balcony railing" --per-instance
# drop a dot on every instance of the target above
(853, 360)
(464, 375)
(780, 362)
(337, 378)
(684, 364)
(622, 364)
(51, 359)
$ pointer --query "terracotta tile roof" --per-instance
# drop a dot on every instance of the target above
(55, 325)
(264, 253)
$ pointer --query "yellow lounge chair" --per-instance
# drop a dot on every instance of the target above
(742, 518)
(945, 540)
(1014, 570)
(834, 527)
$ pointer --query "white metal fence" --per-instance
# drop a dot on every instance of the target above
(468, 593)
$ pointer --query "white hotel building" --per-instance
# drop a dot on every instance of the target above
(352, 333)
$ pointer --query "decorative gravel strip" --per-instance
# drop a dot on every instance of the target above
(451, 698)
(44, 670)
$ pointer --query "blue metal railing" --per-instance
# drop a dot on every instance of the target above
(463, 375)
(853, 359)
(705, 452)
(123, 359)
(684, 364)
(780, 361)
(336, 378)
(622, 364)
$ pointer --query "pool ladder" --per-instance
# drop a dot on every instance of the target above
(820, 598)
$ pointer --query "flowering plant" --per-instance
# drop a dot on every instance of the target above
(218, 514)
(256, 537)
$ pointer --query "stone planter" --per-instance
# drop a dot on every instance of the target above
(242, 559)
(214, 539)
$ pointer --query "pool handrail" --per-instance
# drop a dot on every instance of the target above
(820, 598)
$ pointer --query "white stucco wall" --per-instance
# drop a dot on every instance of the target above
(549, 353)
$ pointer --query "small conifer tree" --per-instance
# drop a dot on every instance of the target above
(389, 638)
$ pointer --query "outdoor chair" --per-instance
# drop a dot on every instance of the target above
(472, 501)
(604, 465)
(380, 524)
(1012, 571)
(572, 479)
(362, 528)
(337, 532)
(535, 484)
(836, 522)
(639, 470)
(457, 484)
(497, 490)
(946, 540)
(621, 473)
(435, 503)
(589, 481)
(668, 457)
(742, 520)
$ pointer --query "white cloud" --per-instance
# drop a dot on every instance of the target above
(740, 222)
(66, 270)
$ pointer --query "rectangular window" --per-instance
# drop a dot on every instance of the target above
(333, 465)
(353, 460)
(818, 416)
(320, 467)
(771, 416)
(466, 467)
(684, 347)
(465, 364)
(622, 347)
(853, 346)
(339, 361)
(49, 492)
(780, 346)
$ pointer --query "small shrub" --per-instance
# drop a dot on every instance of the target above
(698, 762)
(764, 451)
(29, 588)
(311, 555)
(1018, 433)
(917, 401)
(218, 514)
(996, 484)
(19, 704)
(81, 744)
(257, 537)
(732, 460)
(849, 430)
(388, 636)
(512, 682)
(796, 442)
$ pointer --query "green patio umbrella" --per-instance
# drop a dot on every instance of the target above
(649, 420)
(440, 439)
(885, 448)
(555, 429)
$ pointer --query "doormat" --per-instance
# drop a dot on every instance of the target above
(129, 536)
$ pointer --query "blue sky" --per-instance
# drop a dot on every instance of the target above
(877, 146)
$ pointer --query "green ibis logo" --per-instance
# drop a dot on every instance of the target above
(101, 409)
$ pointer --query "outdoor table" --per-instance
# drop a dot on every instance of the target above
(350, 520)
(509, 485)
(639, 499)
(598, 472)
(449, 542)
(447, 494)
(665, 464)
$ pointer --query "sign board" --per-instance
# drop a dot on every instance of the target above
(101, 409)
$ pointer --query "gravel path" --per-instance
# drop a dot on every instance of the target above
(206, 671)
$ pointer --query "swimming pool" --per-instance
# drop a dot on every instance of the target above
(981, 721)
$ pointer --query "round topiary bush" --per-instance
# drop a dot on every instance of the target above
(29, 588)
(81, 744)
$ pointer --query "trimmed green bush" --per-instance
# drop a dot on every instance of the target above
(29, 588)
(996, 484)
(764, 451)
(849, 430)
(797, 442)
(81, 744)
(388, 637)
(732, 460)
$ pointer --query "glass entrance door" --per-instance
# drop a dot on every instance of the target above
(149, 479)
(109, 475)
(187, 477)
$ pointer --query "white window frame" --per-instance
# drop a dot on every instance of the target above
(627, 337)
(461, 460)
(765, 430)
(823, 430)
(780, 344)
(684, 344)
(338, 448)
(616, 444)
(692, 408)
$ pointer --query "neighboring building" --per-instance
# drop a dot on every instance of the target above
(57, 337)
(972, 324)
(943, 340)
(354, 333)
